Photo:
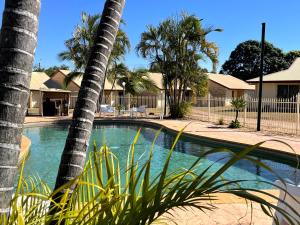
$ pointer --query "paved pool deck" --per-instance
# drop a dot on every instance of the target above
(230, 210)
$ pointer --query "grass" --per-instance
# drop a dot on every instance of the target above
(101, 195)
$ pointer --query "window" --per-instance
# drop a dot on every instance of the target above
(287, 91)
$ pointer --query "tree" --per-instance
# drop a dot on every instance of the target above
(18, 41)
(291, 56)
(80, 45)
(238, 104)
(73, 156)
(50, 70)
(175, 47)
(244, 61)
(137, 82)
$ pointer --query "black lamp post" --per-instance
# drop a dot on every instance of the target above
(261, 76)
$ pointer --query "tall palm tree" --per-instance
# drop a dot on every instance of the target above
(18, 41)
(177, 46)
(80, 45)
(73, 156)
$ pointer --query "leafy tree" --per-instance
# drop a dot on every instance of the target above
(244, 61)
(291, 56)
(79, 47)
(50, 70)
(18, 41)
(175, 47)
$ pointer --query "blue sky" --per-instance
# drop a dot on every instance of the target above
(240, 19)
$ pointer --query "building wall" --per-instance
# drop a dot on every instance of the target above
(270, 89)
(217, 90)
(35, 99)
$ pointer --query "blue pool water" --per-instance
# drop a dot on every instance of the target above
(48, 143)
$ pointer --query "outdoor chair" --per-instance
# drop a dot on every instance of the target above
(107, 109)
(293, 190)
(141, 109)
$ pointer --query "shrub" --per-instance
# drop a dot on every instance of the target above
(221, 121)
(235, 124)
(180, 110)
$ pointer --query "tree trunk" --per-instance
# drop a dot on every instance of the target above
(17, 46)
(73, 157)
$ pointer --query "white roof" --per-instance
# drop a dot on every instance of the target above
(78, 80)
(292, 74)
(230, 82)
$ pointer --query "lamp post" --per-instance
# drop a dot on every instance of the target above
(123, 84)
(259, 108)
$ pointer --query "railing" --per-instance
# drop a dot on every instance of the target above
(150, 101)
(278, 115)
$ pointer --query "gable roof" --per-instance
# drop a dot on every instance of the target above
(37, 80)
(40, 81)
(78, 80)
(158, 79)
(291, 74)
(229, 82)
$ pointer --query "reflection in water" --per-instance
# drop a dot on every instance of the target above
(48, 143)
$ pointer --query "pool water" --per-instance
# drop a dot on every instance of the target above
(48, 143)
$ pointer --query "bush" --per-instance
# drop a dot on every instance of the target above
(180, 110)
(235, 124)
(221, 121)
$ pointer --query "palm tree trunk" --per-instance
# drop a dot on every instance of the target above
(73, 157)
(17, 46)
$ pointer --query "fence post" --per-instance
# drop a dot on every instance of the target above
(298, 113)
(208, 104)
(245, 109)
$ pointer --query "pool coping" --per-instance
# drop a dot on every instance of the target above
(229, 144)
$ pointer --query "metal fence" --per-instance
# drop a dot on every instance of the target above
(278, 115)
(150, 101)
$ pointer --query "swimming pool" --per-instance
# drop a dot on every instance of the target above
(48, 143)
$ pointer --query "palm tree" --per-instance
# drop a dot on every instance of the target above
(80, 45)
(137, 82)
(73, 156)
(18, 41)
(176, 47)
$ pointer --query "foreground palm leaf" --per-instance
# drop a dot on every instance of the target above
(107, 195)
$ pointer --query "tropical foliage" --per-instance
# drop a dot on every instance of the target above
(175, 47)
(137, 82)
(244, 60)
(50, 70)
(80, 45)
(108, 194)
(238, 104)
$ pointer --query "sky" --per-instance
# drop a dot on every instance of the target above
(240, 19)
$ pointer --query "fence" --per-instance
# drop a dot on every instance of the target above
(278, 115)
(151, 101)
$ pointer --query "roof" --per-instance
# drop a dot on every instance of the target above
(158, 79)
(78, 80)
(37, 80)
(40, 81)
(230, 82)
(292, 74)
